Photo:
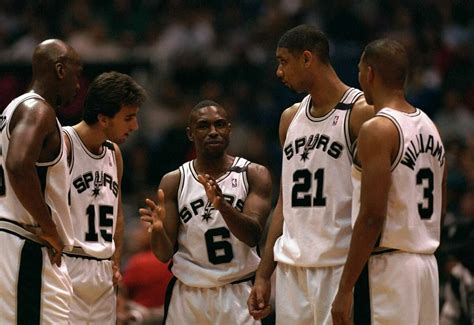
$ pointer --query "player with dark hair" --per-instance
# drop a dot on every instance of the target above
(110, 115)
(399, 200)
(214, 211)
(309, 235)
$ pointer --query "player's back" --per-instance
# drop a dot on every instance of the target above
(53, 176)
(316, 186)
(415, 196)
(94, 195)
(209, 255)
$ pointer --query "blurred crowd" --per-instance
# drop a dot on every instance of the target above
(184, 51)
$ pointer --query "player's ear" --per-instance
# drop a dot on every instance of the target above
(370, 74)
(307, 58)
(59, 66)
(189, 134)
(102, 119)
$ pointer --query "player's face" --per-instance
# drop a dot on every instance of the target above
(72, 74)
(290, 69)
(119, 127)
(363, 80)
(210, 131)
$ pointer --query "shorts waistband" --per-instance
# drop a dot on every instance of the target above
(16, 228)
(249, 278)
(79, 252)
(383, 250)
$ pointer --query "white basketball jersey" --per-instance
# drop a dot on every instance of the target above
(53, 175)
(413, 221)
(208, 254)
(316, 185)
(94, 194)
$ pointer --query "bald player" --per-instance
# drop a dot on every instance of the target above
(35, 224)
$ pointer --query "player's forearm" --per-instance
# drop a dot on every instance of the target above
(161, 245)
(26, 185)
(242, 226)
(267, 264)
(118, 240)
(365, 234)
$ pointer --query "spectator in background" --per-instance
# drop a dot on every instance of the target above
(145, 278)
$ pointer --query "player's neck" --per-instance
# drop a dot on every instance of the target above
(92, 138)
(44, 92)
(394, 99)
(326, 91)
(215, 167)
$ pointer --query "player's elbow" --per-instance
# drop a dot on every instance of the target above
(16, 168)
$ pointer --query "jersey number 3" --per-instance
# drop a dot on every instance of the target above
(425, 209)
(105, 223)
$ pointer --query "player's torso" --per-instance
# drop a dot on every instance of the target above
(415, 196)
(317, 186)
(94, 194)
(208, 253)
(53, 176)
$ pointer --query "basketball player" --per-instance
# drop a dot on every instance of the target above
(109, 116)
(35, 224)
(402, 198)
(215, 209)
(309, 235)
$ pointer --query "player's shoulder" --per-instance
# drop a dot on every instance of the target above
(259, 175)
(289, 113)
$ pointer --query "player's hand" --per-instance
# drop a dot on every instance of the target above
(341, 308)
(55, 245)
(155, 213)
(258, 302)
(213, 191)
(116, 275)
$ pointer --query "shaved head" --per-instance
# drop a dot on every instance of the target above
(56, 69)
(48, 53)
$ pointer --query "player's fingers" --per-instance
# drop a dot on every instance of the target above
(145, 212)
(146, 219)
(151, 204)
(202, 179)
(161, 197)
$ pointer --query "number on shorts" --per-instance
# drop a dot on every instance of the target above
(425, 208)
(218, 251)
(105, 223)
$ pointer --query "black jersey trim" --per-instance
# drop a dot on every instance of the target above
(182, 177)
(90, 154)
(362, 303)
(29, 284)
(71, 165)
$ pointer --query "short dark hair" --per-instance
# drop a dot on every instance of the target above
(390, 59)
(306, 37)
(202, 104)
(108, 93)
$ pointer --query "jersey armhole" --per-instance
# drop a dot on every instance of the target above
(401, 143)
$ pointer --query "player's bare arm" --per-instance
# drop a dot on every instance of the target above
(378, 145)
(259, 299)
(119, 227)
(361, 112)
(247, 225)
(34, 137)
(163, 217)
